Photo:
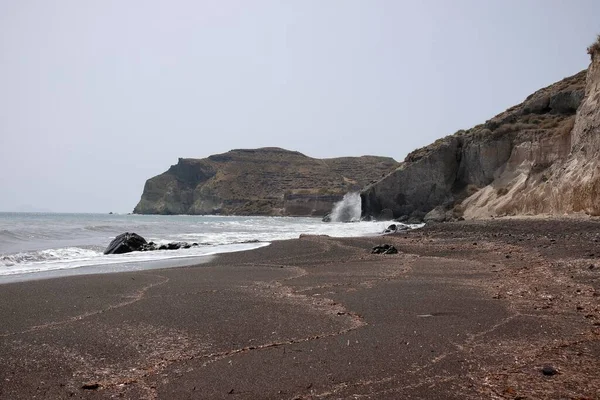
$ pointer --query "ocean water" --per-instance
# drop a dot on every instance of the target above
(37, 245)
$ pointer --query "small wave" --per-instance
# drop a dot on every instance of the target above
(69, 253)
(6, 234)
(49, 261)
(99, 228)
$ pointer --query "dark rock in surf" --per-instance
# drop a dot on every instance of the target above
(391, 229)
(150, 246)
(384, 249)
(327, 218)
(176, 246)
(126, 243)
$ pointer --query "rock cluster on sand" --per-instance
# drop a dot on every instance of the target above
(128, 242)
(384, 249)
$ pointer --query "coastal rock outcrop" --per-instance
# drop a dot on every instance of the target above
(128, 242)
(265, 181)
(541, 156)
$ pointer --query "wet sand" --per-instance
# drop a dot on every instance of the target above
(465, 310)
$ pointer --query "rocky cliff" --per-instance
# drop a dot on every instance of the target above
(541, 156)
(266, 181)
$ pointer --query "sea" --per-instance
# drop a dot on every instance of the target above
(45, 245)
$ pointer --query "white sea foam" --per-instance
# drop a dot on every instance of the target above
(51, 242)
(348, 209)
(59, 259)
(47, 256)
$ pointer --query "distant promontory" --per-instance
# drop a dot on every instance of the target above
(264, 181)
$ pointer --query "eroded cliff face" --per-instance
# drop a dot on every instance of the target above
(580, 179)
(553, 173)
(267, 181)
(537, 157)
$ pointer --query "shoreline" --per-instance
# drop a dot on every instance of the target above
(101, 269)
(175, 261)
(35, 245)
(465, 310)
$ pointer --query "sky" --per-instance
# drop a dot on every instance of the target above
(98, 96)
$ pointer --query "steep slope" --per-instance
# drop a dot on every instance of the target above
(537, 157)
(266, 181)
(553, 175)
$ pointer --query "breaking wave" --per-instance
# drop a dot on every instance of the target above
(74, 257)
(99, 228)
(69, 253)
(6, 234)
(42, 243)
(348, 209)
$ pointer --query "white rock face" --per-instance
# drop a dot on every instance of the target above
(539, 157)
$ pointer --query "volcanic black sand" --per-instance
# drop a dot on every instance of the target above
(465, 310)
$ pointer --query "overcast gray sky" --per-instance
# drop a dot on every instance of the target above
(98, 96)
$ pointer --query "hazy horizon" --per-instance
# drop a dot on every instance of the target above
(97, 97)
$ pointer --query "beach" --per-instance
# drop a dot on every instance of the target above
(506, 308)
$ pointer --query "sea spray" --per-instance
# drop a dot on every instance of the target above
(347, 209)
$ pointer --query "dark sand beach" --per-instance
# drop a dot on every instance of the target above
(465, 310)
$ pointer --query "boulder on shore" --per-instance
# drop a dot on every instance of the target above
(126, 243)
(438, 214)
(384, 249)
(393, 228)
